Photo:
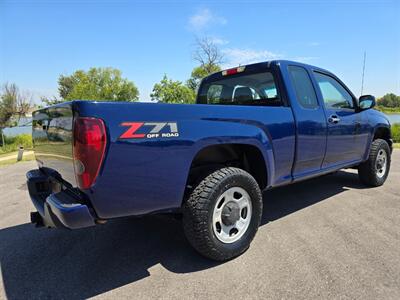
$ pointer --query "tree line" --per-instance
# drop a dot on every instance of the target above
(107, 84)
(389, 100)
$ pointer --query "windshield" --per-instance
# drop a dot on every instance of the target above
(242, 89)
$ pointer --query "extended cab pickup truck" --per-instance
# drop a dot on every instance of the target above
(253, 128)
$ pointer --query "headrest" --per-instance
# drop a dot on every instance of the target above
(243, 94)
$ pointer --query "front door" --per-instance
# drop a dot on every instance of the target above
(343, 121)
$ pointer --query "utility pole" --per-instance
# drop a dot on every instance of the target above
(363, 72)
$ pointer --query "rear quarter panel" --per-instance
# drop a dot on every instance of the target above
(139, 176)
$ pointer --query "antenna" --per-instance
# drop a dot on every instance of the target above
(363, 72)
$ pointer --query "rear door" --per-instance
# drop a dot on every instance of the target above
(310, 121)
(342, 119)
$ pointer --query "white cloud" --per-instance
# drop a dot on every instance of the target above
(313, 44)
(237, 56)
(204, 18)
(218, 41)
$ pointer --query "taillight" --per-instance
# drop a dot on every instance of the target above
(89, 145)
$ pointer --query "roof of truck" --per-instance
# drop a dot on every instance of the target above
(268, 64)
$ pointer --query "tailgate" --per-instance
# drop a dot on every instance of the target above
(52, 139)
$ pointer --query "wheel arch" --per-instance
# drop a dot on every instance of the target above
(384, 133)
(248, 157)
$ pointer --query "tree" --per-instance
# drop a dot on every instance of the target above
(170, 91)
(389, 100)
(101, 84)
(13, 103)
(198, 73)
(208, 55)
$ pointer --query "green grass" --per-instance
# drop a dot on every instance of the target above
(13, 143)
(396, 133)
(396, 145)
(388, 110)
(13, 160)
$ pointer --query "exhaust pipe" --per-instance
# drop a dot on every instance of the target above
(37, 219)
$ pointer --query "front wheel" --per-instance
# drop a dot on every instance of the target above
(222, 215)
(375, 170)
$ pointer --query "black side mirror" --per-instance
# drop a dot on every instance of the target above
(366, 102)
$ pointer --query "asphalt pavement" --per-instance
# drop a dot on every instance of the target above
(324, 238)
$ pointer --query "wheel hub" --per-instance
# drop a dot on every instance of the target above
(230, 213)
(380, 163)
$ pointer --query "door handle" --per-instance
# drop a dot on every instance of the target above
(334, 119)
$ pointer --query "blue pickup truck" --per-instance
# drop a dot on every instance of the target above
(254, 127)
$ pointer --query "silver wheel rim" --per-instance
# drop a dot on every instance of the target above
(232, 215)
(381, 163)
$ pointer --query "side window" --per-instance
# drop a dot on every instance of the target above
(304, 89)
(334, 94)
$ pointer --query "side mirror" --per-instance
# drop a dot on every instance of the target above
(366, 102)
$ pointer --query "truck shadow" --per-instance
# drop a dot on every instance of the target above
(42, 263)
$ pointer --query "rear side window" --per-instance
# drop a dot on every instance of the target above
(242, 89)
(305, 92)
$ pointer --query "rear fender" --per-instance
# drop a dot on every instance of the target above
(256, 135)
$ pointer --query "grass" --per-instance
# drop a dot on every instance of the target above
(396, 132)
(388, 110)
(13, 160)
(396, 145)
(12, 143)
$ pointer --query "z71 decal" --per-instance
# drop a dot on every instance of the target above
(149, 130)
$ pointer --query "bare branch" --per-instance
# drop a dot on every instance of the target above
(207, 53)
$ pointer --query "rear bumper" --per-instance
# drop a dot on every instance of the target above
(56, 209)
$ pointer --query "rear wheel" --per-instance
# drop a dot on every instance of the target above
(375, 170)
(222, 215)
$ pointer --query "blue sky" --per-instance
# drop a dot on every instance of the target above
(39, 40)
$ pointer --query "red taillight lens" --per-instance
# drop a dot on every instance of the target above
(89, 145)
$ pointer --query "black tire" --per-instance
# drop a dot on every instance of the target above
(199, 207)
(368, 172)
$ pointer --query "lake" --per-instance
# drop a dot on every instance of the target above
(394, 118)
(24, 126)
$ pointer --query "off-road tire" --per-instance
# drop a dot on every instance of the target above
(367, 171)
(198, 213)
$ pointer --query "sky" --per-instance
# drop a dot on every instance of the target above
(39, 40)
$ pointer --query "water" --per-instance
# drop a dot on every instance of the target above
(24, 126)
(394, 118)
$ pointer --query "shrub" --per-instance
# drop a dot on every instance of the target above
(396, 133)
(14, 142)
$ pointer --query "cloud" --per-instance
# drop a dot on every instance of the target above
(237, 56)
(313, 44)
(204, 18)
(218, 41)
